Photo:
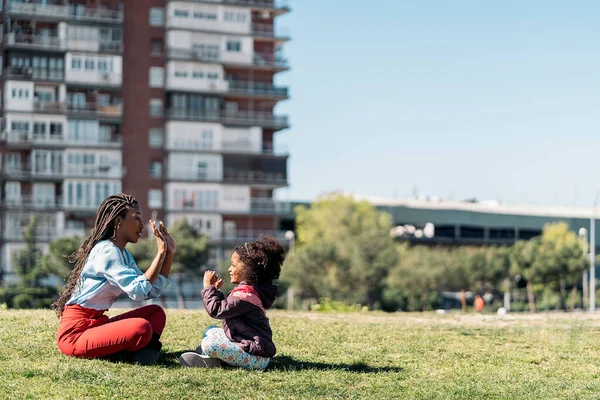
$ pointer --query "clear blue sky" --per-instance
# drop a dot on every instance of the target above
(493, 100)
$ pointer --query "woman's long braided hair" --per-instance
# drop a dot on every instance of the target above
(104, 228)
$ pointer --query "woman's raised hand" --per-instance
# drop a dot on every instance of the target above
(168, 238)
(161, 242)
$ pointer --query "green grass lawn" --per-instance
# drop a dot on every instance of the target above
(328, 356)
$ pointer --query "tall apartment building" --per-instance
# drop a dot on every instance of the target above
(170, 101)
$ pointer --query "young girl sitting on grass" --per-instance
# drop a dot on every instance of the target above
(246, 337)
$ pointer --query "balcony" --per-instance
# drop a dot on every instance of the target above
(268, 31)
(269, 206)
(49, 107)
(257, 89)
(243, 118)
(36, 74)
(270, 60)
(96, 111)
(24, 172)
(248, 235)
(246, 147)
(191, 54)
(25, 140)
(254, 177)
(75, 43)
(97, 15)
(258, 205)
(278, 6)
(35, 203)
(37, 11)
(260, 60)
(35, 42)
(52, 12)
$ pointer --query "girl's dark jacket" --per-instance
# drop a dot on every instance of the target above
(244, 315)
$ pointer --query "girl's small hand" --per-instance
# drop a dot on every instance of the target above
(219, 283)
(210, 278)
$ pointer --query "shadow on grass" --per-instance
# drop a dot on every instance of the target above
(287, 363)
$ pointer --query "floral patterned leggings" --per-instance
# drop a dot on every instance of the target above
(216, 345)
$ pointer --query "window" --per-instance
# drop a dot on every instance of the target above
(157, 16)
(156, 107)
(89, 64)
(181, 13)
(157, 77)
(155, 198)
(155, 169)
(197, 75)
(181, 74)
(234, 45)
(156, 47)
(19, 126)
(102, 65)
(76, 63)
(56, 130)
(155, 138)
(212, 75)
(205, 15)
(207, 137)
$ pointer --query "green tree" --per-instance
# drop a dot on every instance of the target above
(343, 251)
(32, 289)
(559, 258)
(190, 257)
(56, 261)
(416, 279)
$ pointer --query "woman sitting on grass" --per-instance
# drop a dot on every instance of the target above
(103, 271)
(246, 338)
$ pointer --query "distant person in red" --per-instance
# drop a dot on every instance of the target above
(103, 271)
(479, 304)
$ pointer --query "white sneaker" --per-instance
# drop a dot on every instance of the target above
(195, 360)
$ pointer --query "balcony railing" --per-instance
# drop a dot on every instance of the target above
(247, 118)
(42, 74)
(25, 139)
(246, 147)
(75, 171)
(258, 59)
(27, 201)
(257, 89)
(269, 60)
(35, 41)
(191, 54)
(94, 45)
(247, 235)
(268, 30)
(272, 4)
(96, 15)
(256, 177)
(37, 10)
(267, 205)
(257, 205)
(96, 110)
(49, 106)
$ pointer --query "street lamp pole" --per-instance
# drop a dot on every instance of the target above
(593, 257)
(583, 236)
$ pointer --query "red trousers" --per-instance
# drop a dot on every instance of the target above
(88, 333)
